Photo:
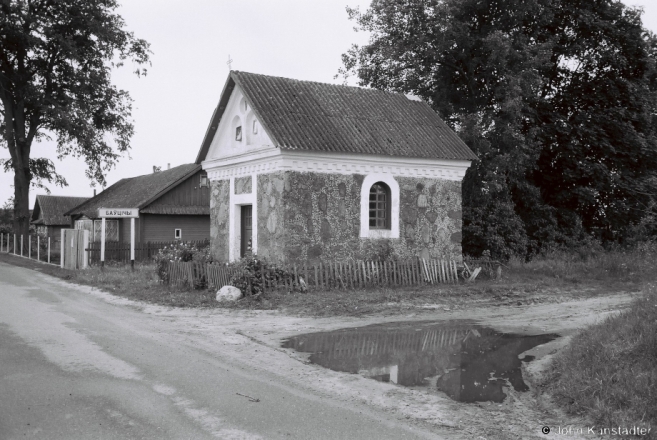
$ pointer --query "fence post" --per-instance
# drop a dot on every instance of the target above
(29, 246)
(48, 249)
(14, 244)
(38, 248)
(21, 245)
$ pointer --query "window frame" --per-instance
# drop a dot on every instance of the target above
(392, 231)
(177, 234)
(380, 212)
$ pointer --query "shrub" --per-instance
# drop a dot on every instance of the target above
(249, 275)
(179, 252)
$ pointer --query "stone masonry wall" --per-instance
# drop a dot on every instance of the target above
(430, 218)
(243, 185)
(312, 217)
(271, 233)
(219, 217)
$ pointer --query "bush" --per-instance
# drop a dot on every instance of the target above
(249, 275)
(179, 252)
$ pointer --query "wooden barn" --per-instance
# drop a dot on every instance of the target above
(48, 215)
(173, 205)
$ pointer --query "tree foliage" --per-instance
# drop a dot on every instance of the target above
(56, 59)
(556, 97)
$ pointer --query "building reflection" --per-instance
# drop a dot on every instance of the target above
(467, 362)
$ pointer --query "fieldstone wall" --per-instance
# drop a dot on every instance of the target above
(322, 216)
(271, 231)
(243, 185)
(219, 217)
(312, 217)
(430, 218)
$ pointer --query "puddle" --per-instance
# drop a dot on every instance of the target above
(468, 362)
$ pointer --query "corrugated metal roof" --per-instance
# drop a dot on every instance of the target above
(305, 115)
(49, 210)
(136, 192)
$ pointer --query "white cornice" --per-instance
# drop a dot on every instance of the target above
(272, 159)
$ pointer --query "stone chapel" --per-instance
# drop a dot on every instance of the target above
(303, 171)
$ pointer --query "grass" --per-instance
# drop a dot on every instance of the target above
(609, 371)
(551, 278)
(617, 266)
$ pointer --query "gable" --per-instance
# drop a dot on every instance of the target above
(317, 117)
(189, 197)
(238, 113)
(136, 192)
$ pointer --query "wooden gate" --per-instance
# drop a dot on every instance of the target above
(74, 244)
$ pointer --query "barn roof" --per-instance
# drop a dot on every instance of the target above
(137, 192)
(305, 115)
(49, 210)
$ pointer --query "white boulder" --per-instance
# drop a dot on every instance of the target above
(229, 293)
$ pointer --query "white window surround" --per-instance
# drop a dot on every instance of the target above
(365, 231)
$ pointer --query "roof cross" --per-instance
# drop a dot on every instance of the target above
(229, 63)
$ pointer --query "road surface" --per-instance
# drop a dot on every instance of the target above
(76, 366)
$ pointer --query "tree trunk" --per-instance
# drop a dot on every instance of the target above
(21, 224)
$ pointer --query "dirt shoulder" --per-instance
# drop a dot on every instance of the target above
(253, 337)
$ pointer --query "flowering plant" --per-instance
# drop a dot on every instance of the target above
(180, 252)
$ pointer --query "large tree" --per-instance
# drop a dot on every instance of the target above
(556, 97)
(56, 60)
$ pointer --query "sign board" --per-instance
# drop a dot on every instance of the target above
(118, 213)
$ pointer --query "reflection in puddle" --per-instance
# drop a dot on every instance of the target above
(468, 362)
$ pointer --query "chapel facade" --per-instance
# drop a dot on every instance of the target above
(305, 172)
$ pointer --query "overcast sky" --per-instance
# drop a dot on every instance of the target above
(191, 41)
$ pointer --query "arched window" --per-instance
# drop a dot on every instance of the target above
(379, 206)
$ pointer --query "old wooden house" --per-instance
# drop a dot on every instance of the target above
(173, 205)
(48, 215)
(305, 171)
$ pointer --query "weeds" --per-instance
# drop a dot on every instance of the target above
(609, 371)
(626, 265)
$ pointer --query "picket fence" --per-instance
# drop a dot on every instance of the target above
(323, 276)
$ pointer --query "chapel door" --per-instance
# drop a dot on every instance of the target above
(247, 230)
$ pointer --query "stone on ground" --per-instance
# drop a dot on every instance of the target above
(229, 293)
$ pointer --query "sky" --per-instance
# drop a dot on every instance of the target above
(191, 41)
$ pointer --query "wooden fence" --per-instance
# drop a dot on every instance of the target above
(33, 246)
(119, 251)
(323, 276)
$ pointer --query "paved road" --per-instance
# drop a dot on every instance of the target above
(73, 366)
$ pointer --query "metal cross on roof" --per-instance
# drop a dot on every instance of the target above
(229, 62)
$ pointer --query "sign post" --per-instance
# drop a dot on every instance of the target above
(132, 214)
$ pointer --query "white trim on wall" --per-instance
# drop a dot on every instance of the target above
(365, 231)
(234, 218)
(269, 160)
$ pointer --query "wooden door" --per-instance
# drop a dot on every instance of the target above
(246, 230)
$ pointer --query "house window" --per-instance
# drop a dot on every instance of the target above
(255, 127)
(379, 206)
(379, 209)
(177, 234)
(204, 181)
(238, 133)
